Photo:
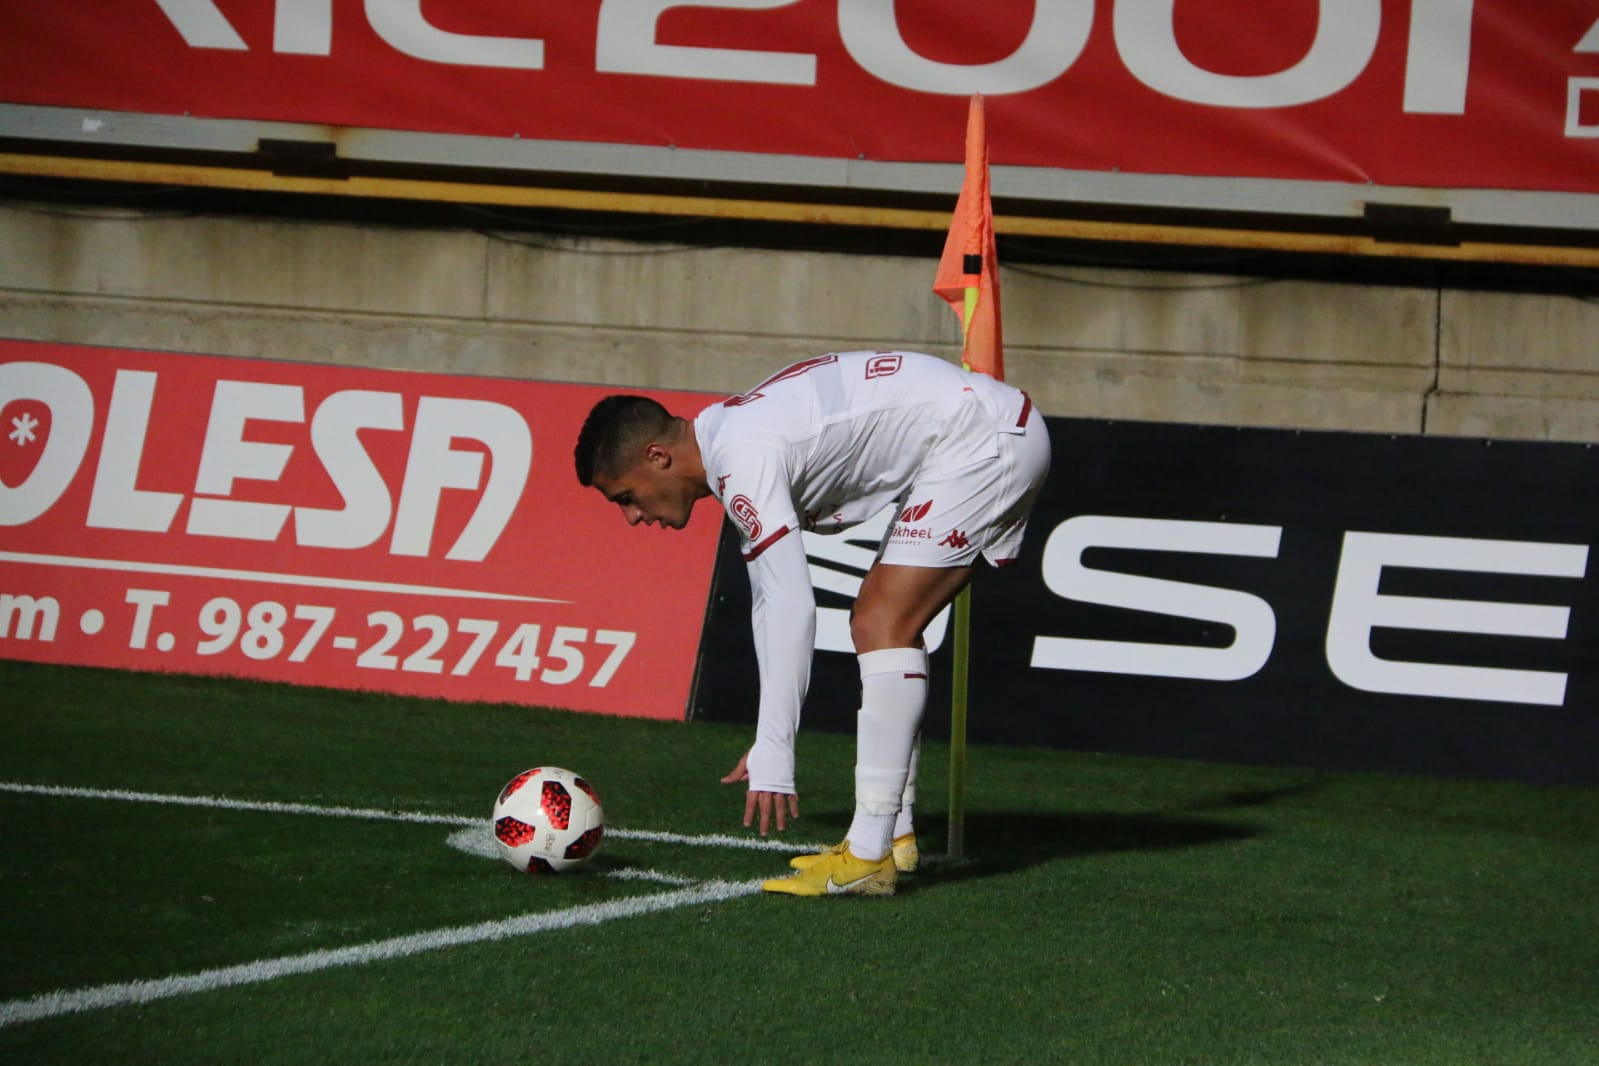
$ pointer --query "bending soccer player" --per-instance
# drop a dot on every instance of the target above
(824, 445)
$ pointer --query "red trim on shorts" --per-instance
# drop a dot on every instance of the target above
(1004, 562)
(1027, 409)
(915, 677)
(756, 550)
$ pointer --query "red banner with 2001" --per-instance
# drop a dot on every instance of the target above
(1494, 94)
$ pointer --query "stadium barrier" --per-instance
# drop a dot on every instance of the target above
(1336, 600)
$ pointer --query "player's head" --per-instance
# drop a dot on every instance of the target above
(632, 449)
(615, 433)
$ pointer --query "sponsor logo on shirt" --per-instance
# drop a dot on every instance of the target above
(743, 512)
(881, 366)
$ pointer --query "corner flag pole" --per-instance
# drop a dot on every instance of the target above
(968, 279)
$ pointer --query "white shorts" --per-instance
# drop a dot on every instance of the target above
(972, 495)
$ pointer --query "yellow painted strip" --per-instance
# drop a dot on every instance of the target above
(779, 211)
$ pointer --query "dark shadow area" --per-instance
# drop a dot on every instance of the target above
(1243, 798)
(1002, 842)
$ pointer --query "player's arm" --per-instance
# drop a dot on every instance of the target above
(783, 620)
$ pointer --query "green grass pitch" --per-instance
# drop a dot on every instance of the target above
(1109, 910)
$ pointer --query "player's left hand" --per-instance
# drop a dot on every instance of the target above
(782, 805)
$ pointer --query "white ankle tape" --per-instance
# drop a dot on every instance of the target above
(878, 790)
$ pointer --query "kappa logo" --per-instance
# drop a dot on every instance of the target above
(743, 512)
(721, 485)
(916, 512)
(956, 539)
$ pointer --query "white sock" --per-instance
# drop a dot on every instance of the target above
(904, 822)
(893, 696)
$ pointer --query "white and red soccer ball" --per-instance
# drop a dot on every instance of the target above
(547, 820)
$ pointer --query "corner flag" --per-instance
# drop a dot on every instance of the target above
(968, 278)
(968, 272)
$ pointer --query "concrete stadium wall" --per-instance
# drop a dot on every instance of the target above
(1119, 344)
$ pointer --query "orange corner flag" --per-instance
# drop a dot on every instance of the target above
(968, 272)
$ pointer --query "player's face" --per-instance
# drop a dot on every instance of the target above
(648, 495)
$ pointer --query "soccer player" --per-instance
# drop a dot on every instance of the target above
(824, 445)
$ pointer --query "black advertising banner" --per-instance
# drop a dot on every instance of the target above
(1336, 600)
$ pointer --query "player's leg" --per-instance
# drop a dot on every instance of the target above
(981, 509)
(914, 578)
(895, 604)
(907, 856)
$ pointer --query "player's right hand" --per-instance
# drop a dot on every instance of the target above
(767, 804)
(741, 772)
(784, 805)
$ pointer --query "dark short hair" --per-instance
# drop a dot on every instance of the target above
(616, 430)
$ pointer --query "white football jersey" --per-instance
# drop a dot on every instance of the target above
(823, 445)
(827, 443)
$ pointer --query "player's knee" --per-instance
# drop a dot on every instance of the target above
(874, 630)
(862, 627)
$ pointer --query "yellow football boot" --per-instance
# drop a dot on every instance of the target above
(837, 872)
(906, 855)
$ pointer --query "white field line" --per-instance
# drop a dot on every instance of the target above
(54, 1004)
(713, 840)
(478, 840)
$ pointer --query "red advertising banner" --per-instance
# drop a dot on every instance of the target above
(1487, 94)
(413, 533)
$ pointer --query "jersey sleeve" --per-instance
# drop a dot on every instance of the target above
(748, 474)
(783, 616)
(752, 482)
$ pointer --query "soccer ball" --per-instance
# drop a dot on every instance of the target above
(547, 820)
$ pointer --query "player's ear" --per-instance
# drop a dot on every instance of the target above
(657, 456)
